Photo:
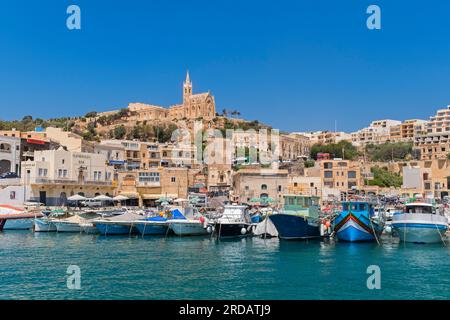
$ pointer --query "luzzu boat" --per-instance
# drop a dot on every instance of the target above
(420, 222)
(299, 219)
(356, 222)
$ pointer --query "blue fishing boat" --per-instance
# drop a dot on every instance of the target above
(356, 222)
(299, 219)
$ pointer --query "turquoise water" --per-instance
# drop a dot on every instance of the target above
(33, 266)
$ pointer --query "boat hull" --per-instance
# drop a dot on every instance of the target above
(41, 225)
(293, 227)
(18, 224)
(352, 228)
(188, 229)
(147, 229)
(114, 229)
(232, 230)
(420, 228)
(68, 227)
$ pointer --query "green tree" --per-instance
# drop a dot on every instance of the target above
(342, 149)
(120, 132)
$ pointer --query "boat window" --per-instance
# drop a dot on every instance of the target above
(419, 209)
(362, 207)
(345, 206)
(353, 207)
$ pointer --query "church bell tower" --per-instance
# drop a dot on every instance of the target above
(187, 89)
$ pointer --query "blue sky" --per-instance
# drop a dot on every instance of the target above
(296, 65)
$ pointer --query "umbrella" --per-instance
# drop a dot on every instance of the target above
(255, 200)
(120, 198)
(179, 200)
(268, 200)
(164, 199)
(103, 198)
(76, 197)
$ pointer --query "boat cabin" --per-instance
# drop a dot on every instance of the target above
(306, 205)
(296, 202)
(420, 207)
(358, 206)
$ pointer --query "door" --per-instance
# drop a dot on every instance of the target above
(43, 197)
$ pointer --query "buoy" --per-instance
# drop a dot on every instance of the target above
(209, 229)
(328, 224)
(243, 231)
(202, 219)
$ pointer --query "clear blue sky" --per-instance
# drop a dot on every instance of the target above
(297, 65)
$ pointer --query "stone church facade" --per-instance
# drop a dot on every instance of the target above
(194, 106)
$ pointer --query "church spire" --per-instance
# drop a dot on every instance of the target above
(187, 89)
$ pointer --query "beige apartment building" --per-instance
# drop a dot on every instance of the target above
(55, 175)
(344, 175)
(259, 183)
(376, 133)
(326, 137)
(147, 186)
(435, 142)
(407, 130)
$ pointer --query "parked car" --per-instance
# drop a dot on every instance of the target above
(9, 175)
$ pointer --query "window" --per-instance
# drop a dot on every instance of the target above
(352, 174)
(328, 165)
(42, 172)
(12, 195)
(247, 188)
(328, 174)
(279, 188)
(264, 187)
(148, 177)
(173, 179)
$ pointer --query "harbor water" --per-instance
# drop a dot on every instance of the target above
(34, 266)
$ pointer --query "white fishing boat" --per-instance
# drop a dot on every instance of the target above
(76, 223)
(233, 222)
(420, 222)
(191, 223)
(44, 225)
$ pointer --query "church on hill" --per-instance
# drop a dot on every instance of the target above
(194, 106)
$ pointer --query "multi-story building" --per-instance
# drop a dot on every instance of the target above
(259, 183)
(407, 130)
(69, 140)
(10, 154)
(377, 132)
(326, 137)
(114, 151)
(435, 142)
(147, 186)
(55, 175)
(344, 175)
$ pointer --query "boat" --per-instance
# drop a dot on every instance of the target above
(45, 224)
(191, 224)
(299, 218)
(118, 225)
(358, 222)
(420, 222)
(233, 222)
(15, 224)
(82, 222)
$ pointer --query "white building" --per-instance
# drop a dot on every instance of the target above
(9, 154)
(55, 175)
(377, 132)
